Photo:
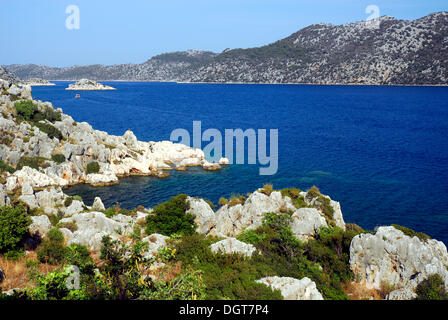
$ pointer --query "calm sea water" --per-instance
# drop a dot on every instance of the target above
(381, 151)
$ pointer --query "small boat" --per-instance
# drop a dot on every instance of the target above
(77, 96)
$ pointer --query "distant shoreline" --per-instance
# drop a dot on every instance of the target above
(268, 83)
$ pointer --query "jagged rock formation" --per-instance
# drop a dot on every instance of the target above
(88, 85)
(293, 289)
(389, 258)
(398, 52)
(231, 220)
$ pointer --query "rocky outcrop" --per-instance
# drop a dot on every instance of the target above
(232, 246)
(40, 225)
(293, 289)
(205, 218)
(93, 226)
(155, 242)
(98, 204)
(306, 222)
(234, 219)
(88, 85)
(392, 259)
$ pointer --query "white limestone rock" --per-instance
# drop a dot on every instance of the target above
(306, 222)
(155, 242)
(98, 204)
(92, 226)
(389, 257)
(233, 220)
(204, 215)
(293, 289)
(35, 179)
(40, 224)
(232, 245)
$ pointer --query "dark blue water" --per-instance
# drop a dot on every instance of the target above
(381, 151)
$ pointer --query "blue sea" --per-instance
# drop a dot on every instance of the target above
(381, 151)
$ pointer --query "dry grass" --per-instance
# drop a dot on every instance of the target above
(16, 272)
(168, 272)
(358, 291)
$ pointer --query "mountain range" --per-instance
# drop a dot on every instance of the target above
(385, 51)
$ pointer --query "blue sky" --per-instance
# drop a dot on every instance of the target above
(34, 31)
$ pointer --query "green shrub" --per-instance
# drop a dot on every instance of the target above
(170, 217)
(58, 158)
(251, 236)
(411, 233)
(432, 288)
(4, 167)
(32, 162)
(225, 276)
(50, 130)
(25, 110)
(121, 277)
(294, 194)
(322, 203)
(14, 223)
(223, 201)
(93, 167)
(53, 286)
(52, 249)
(267, 189)
(68, 201)
(79, 255)
(28, 111)
(188, 285)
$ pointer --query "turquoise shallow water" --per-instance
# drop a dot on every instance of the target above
(381, 151)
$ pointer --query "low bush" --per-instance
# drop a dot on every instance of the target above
(170, 217)
(411, 233)
(58, 158)
(322, 203)
(225, 276)
(4, 167)
(28, 111)
(52, 249)
(223, 201)
(432, 288)
(68, 201)
(93, 167)
(297, 198)
(14, 223)
(32, 162)
(50, 130)
(267, 189)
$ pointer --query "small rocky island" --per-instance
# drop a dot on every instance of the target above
(86, 85)
(37, 82)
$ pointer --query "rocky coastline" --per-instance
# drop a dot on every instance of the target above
(43, 150)
(66, 154)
